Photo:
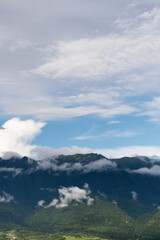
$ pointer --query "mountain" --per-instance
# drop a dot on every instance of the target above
(89, 194)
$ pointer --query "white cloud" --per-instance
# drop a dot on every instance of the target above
(40, 153)
(134, 195)
(132, 50)
(152, 109)
(67, 195)
(114, 122)
(6, 198)
(53, 204)
(41, 203)
(8, 155)
(21, 44)
(84, 137)
(101, 57)
(48, 189)
(98, 98)
(14, 171)
(113, 62)
(52, 113)
(153, 171)
(119, 134)
(118, 56)
(16, 135)
(109, 134)
(150, 151)
(99, 166)
(115, 203)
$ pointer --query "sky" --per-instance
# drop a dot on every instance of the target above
(79, 76)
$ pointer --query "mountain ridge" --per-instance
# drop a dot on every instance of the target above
(80, 185)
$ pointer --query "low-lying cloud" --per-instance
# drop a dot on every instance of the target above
(99, 165)
(67, 195)
(40, 153)
(134, 195)
(6, 198)
(153, 171)
(14, 171)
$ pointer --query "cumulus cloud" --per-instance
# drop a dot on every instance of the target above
(134, 195)
(67, 195)
(6, 198)
(99, 165)
(16, 135)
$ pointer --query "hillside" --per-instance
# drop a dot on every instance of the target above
(89, 194)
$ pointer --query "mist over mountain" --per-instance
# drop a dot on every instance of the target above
(124, 177)
(38, 194)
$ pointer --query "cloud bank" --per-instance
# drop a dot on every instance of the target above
(130, 151)
(99, 165)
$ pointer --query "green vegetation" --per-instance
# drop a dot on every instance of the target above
(30, 235)
(103, 219)
(114, 215)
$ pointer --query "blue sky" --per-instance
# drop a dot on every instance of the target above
(80, 76)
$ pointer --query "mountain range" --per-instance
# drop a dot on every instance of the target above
(82, 193)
